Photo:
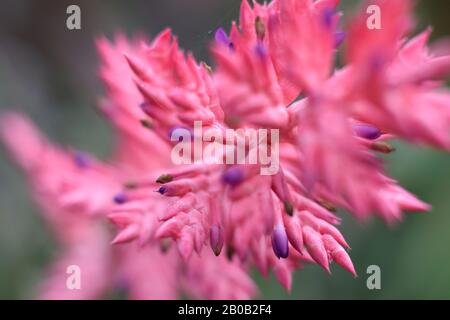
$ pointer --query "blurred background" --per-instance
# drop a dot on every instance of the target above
(49, 72)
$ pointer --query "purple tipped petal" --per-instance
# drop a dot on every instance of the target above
(144, 105)
(120, 198)
(327, 16)
(162, 190)
(221, 37)
(339, 38)
(216, 239)
(233, 176)
(81, 160)
(280, 243)
(261, 50)
(366, 131)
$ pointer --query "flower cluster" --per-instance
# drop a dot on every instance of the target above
(198, 228)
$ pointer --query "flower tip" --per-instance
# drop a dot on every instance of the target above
(233, 176)
(288, 208)
(346, 263)
(216, 239)
(81, 160)
(230, 252)
(328, 15)
(146, 123)
(339, 38)
(280, 244)
(164, 178)
(366, 131)
(162, 190)
(136, 66)
(221, 37)
(260, 28)
(382, 147)
(164, 244)
(261, 50)
(327, 205)
(130, 185)
(207, 67)
(120, 198)
(144, 105)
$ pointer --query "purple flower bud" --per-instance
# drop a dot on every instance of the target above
(221, 37)
(233, 176)
(162, 190)
(261, 50)
(280, 243)
(144, 105)
(216, 239)
(339, 38)
(81, 160)
(366, 131)
(328, 16)
(120, 198)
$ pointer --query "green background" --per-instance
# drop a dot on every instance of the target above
(49, 73)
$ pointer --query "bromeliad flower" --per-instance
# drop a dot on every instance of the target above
(74, 192)
(274, 70)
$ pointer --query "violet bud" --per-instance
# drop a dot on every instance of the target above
(280, 243)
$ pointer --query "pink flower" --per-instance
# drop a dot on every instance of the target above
(75, 192)
(273, 70)
(329, 137)
(83, 241)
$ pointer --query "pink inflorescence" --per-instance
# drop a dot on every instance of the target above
(198, 228)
